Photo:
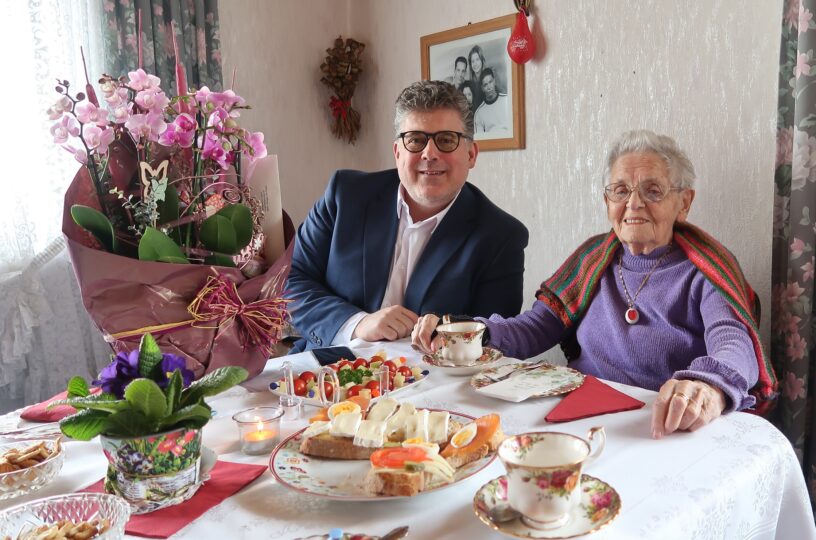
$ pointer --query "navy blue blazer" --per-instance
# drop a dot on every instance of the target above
(473, 263)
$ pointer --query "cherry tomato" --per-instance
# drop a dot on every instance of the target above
(300, 387)
(372, 385)
(307, 376)
(360, 362)
(375, 392)
(392, 367)
(329, 388)
(335, 367)
(405, 371)
(354, 390)
(378, 358)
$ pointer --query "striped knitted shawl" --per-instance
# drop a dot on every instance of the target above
(569, 291)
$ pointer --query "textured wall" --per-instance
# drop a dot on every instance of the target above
(704, 72)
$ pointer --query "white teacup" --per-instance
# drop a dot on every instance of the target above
(461, 342)
(544, 473)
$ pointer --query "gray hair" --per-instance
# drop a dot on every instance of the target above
(681, 170)
(426, 96)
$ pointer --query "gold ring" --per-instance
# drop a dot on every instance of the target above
(682, 395)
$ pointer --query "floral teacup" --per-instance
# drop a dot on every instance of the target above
(544, 472)
(461, 342)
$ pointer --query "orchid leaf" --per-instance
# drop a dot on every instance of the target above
(145, 396)
(219, 259)
(241, 219)
(169, 211)
(213, 383)
(96, 223)
(157, 246)
(218, 234)
(84, 425)
(78, 387)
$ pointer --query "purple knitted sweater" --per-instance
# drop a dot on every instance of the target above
(686, 330)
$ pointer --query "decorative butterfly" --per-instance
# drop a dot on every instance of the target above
(149, 174)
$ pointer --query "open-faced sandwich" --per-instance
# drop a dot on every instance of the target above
(407, 446)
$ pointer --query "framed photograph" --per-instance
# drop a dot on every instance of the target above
(474, 58)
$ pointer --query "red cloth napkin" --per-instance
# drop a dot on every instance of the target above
(591, 399)
(226, 479)
(38, 412)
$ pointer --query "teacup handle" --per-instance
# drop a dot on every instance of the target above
(593, 434)
(321, 389)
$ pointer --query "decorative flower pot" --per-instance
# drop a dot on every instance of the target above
(154, 471)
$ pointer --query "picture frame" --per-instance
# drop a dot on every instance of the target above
(499, 125)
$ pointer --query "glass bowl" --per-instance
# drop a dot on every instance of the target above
(25, 518)
(32, 478)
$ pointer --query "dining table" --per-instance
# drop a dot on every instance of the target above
(737, 477)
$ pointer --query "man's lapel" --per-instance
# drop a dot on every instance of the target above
(379, 236)
(445, 241)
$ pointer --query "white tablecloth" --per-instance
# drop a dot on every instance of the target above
(736, 478)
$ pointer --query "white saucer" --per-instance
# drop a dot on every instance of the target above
(488, 359)
(600, 504)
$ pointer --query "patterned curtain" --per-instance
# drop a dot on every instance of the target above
(794, 234)
(197, 36)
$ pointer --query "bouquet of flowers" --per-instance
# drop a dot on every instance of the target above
(163, 182)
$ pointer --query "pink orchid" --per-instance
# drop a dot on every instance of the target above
(88, 113)
(175, 134)
(140, 80)
(118, 97)
(121, 114)
(227, 100)
(63, 104)
(222, 122)
(201, 95)
(185, 122)
(67, 127)
(214, 150)
(79, 153)
(255, 149)
(148, 126)
(108, 88)
(152, 99)
(98, 138)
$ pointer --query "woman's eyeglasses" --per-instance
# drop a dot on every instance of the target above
(647, 191)
(445, 141)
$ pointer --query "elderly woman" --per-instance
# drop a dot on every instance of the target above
(655, 303)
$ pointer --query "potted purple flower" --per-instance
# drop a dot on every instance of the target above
(149, 416)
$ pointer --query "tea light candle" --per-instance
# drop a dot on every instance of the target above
(258, 429)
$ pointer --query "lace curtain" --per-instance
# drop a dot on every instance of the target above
(794, 235)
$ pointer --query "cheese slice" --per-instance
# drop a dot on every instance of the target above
(438, 426)
(383, 409)
(345, 425)
(370, 434)
(416, 425)
(316, 428)
(395, 426)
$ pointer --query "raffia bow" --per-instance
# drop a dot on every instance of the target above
(339, 107)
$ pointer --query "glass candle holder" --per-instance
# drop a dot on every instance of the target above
(258, 429)
(291, 407)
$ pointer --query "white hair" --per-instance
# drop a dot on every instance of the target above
(681, 170)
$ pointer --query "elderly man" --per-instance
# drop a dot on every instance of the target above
(379, 249)
(494, 112)
(459, 69)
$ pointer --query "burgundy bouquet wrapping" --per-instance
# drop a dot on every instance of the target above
(130, 297)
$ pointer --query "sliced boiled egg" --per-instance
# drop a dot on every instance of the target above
(430, 448)
(342, 408)
(464, 436)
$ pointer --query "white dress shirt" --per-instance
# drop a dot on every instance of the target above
(412, 237)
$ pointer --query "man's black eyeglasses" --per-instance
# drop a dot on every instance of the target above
(445, 141)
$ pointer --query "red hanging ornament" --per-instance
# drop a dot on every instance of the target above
(520, 46)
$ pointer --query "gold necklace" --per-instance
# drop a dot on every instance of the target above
(631, 314)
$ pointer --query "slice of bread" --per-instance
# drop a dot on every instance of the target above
(460, 459)
(328, 446)
(394, 483)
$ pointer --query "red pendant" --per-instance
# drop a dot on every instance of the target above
(632, 316)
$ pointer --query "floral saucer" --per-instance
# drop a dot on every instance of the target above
(549, 380)
(488, 359)
(600, 504)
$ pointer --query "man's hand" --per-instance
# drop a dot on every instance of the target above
(388, 324)
(421, 336)
(685, 405)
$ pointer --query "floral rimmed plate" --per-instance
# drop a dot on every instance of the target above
(343, 479)
(600, 504)
(489, 358)
(553, 380)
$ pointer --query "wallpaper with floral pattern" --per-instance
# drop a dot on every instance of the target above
(794, 234)
(197, 36)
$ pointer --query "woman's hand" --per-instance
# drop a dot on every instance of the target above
(421, 336)
(686, 405)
